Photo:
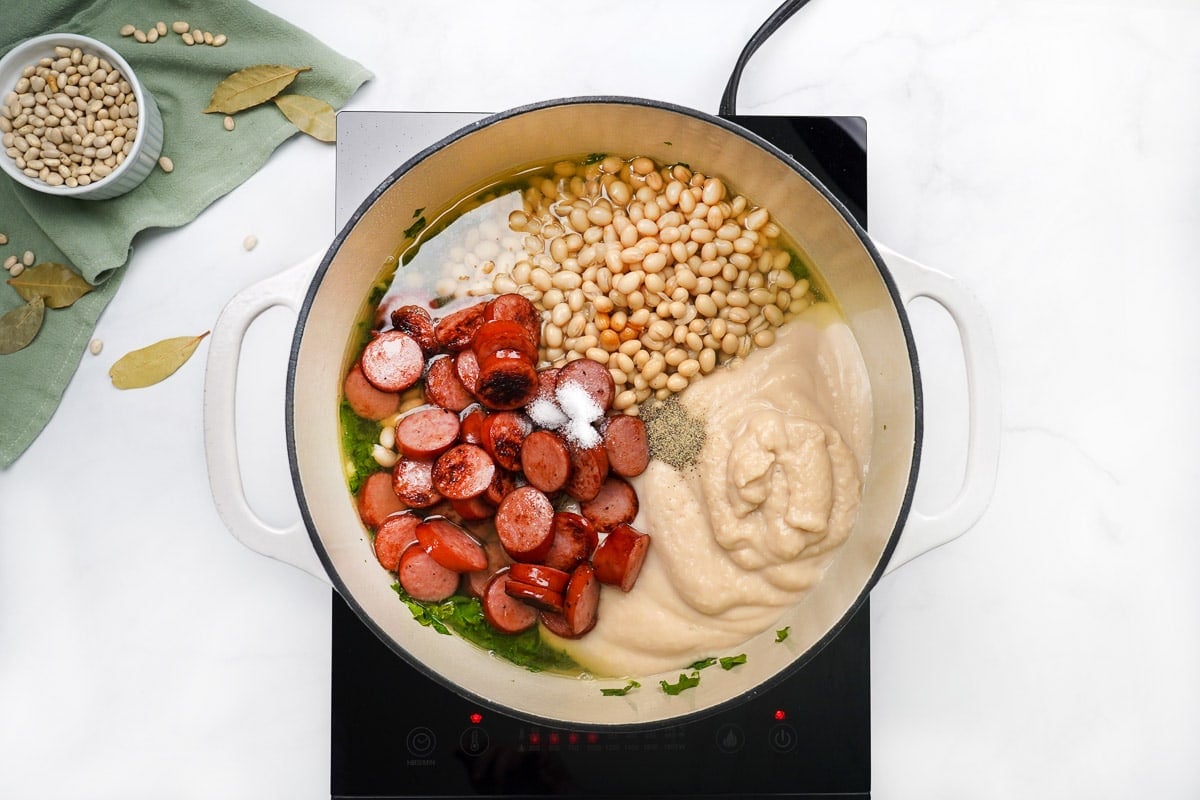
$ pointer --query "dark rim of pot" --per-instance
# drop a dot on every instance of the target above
(735, 129)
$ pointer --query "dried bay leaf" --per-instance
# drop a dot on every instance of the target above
(153, 363)
(21, 324)
(57, 284)
(251, 86)
(312, 116)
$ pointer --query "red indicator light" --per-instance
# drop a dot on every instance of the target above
(573, 738)
(554, 737)
(535, 738)
(593, 738)
(476, 718)
(780, 714)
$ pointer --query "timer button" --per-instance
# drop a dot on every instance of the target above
(421, 742)
(730, 738)
(783, 738)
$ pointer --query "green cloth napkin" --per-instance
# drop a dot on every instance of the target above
(96, 236)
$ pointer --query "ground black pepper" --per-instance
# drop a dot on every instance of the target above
(675, 436)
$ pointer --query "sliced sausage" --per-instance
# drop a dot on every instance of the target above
(505, 613)
(443, 387)
(627, 444)
(451, 545)
(595, 379)
(503, 433)
(589, 468)
(377, 500)
(546, 460)
(427, 433)
(455, 331)
(463, 471)
(503, 482)
(392, 361)
(524, 523)
(423, 577)
(581, 600)
(540, 575)
(537, 596)
(519, 309)
(506, 381)
(412, 481)
(365, 400)
(396, 533)
(616, 503)
(574, 540)
(473, 509)
(477, 581)
(556, 623)
(547, 383)
(618, 559)
(471, 420)
(416, 322)
(503, 336)
(466, 367)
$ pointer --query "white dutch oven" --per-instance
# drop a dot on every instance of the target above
(331, 543)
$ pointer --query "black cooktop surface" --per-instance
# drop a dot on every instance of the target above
(398, 734)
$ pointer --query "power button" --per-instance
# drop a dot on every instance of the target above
(783, 738)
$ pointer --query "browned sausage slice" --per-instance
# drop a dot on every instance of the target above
(392, 361)
(416, 322)
(540, 575)
(595, 379)
(581, 600)
(442, 386)
(463, 471)
(627, 444)
(589, 468)
(506, 614)
(450, 545)
(537, 596)
(503, 335)
(519, 309)
(503, 433)
(556, 624)
(473, 509)
(466, 367)
(574, 540)
(427, 433)
(396, 533)
(503, 482)
(616, 503)
(507, 380)
(377, 500)
(545, 460)
(524, 523)
(618, 559)
(412, 481)
(471, 421)
(547, 383)
(456, 330)
(423, 578)
(365, 400)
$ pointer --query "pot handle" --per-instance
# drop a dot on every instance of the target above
(289, 544)
(923, 532)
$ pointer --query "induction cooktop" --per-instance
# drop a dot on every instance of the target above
(398, 734)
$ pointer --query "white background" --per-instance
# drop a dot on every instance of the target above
(1043, 153)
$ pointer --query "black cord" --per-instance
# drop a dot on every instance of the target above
(780, 16)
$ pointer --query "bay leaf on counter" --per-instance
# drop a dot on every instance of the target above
(20, 325)
(153, 363)
(310, 115)
(251, 86)
(57, 284)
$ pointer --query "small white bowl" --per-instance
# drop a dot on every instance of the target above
(146, 147)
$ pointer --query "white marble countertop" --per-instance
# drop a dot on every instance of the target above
(1044, 153)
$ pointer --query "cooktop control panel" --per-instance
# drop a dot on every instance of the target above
(397, 733)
